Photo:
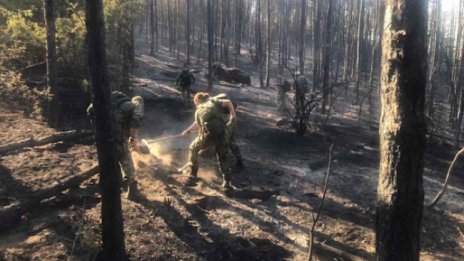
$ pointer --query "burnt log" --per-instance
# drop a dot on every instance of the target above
(11, 215)
(232, 75)
(31, 142)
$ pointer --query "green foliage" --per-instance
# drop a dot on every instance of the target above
(20, 32)
(17, 94)
(70, 38)
(120, 15)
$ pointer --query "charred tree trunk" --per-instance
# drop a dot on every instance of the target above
(327, 57)
(259, 50)
(227, 40)
(54, 115)
(187, 32)
(400, 193)
(156, 26)
(110, 176)
(238, 29)
(210, 45)
(11, 215)
(433, 58)
(316, 44)
(152, 30)
(301, 47)
(359, 39)
(268, 42)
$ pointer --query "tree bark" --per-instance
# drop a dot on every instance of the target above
(400, 193)
(316, 44)
(301, 47)
(110, 175)
(259, 50)
(327, 57)
(187, 31)
(268, 42)
(152, 30)
(359, 40)
(238, 29)
(54, 115)
(433, 58)
(210, 45)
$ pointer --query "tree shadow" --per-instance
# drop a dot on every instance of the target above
(441, 233)
(218, 243)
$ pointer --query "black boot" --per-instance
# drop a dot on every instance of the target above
(132, 191)
(192, 179)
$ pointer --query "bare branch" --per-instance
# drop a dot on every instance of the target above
(440, 194)
(316, 218)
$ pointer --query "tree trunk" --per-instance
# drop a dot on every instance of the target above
(400, 192)
(460, 114)
(268, 43)
(152, 30)
(238, 29)
(359, 40)
(54, 115)
(110, 175)
(210, 45)
(156, 26)
(200, 53)
(327, 57)
(316, 45)
(187, 32)
(433, 59)
(227, 41)
(301, 47)
(259, 51)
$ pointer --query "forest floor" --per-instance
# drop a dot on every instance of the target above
(266, 217)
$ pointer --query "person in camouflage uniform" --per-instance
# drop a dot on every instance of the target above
(127, 115)
(283, 86)
(212, 132)
(185, 79)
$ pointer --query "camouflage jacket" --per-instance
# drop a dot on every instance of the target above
(209, 117)
(124, 115)
(185, 77)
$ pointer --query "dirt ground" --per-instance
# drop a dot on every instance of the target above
(266, 217)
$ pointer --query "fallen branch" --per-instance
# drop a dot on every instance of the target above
(440, 194)
(31, 142)
(316, 217)
(11, 215)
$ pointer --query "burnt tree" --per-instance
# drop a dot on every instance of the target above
(53, 106)
(110, 176)
(210, 45)
(400, 192)
(301, 44)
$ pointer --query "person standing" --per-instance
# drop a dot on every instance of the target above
(184, 80)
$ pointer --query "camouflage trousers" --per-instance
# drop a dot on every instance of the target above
(125, 160)
(232, 143)
(203, 142)
(281, 101)
(186, 95)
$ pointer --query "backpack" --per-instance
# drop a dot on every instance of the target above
(209, 117)
(223, 96)
(122, 115)
(118, 98)
(185, 78)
